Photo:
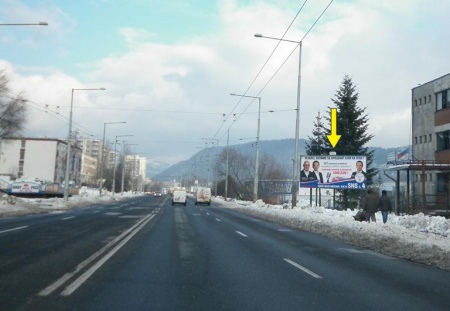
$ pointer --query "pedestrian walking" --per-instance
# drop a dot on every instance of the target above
(385, 205)
(370, 205)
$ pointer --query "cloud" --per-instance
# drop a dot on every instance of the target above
(173, 93)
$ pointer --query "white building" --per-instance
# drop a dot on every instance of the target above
(135, 167)
(42, 158)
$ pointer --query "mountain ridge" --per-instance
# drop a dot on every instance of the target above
(282, 150)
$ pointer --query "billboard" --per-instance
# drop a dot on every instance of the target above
(333, 172)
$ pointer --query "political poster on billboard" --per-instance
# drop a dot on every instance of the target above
(333, 172)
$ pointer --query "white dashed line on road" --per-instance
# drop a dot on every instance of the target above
(302, 268)
(240, 233)
(13, 229)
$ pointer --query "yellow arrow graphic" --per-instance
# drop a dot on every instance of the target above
(333, 138)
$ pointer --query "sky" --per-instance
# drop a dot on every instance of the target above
(169, 67)
(417, 237)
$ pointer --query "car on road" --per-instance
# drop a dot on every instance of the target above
(157, 194)
(203, 196)
(179, 197)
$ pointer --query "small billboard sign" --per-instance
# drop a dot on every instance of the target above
(25, 187)
(333, 172)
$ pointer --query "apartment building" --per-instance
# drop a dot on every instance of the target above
(42, 158)
(431, 138)
(136, 169)
(88, 170)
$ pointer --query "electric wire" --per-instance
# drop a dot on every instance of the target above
(281, 66)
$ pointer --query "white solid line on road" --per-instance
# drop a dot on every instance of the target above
(89, 272)
(207, 214)
(70, 217)
(302, 268)
(284, 230)
(196, 214)
(218, 220)
(52, 287)
(244, 235)
(14, 229)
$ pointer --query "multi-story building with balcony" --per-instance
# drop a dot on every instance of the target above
(431, 141)
(41, 158)
(135, 167)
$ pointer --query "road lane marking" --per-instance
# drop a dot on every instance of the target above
(244, 235)
(196, 214)
(66, 218)
(112, 213)
(207, 214)
(88, 273)
(284, 230)
(14, 229)
(218, 220)
(302, 268)
(52, 287)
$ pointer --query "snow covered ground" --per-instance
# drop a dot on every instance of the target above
(417, 238)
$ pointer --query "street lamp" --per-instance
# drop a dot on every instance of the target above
(66, 180)
(102, 159)
(256, 180)
(209, 157)
(297, 119)
(113, 188)
(31, 24)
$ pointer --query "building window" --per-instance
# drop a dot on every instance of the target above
(430, 137)
(415, 140)
(415, 102)
(429, 98)
(443, 142)
(442, 100)
(420, 101)
(424, 138)
(22, 143)
(442, 182)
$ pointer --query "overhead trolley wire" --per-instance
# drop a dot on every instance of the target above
(279, 68)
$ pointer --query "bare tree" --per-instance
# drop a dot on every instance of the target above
(241, 172)
(12, 110)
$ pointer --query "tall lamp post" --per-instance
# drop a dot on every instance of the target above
(297, 119)
(209, 157)
(226, 170)
(102, 157)
(66, 179)
(113, 188)
(256, 180)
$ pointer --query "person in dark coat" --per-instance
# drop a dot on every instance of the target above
(385, 205)
(370, 205)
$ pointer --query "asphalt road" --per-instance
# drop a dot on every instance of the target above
(145, 254)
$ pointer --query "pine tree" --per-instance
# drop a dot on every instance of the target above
(352, 125)
(318, 142)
